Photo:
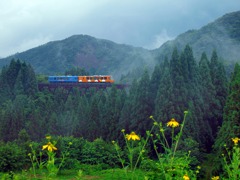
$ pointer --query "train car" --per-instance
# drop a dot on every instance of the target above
(95, 79)
(81, 79)
(63, 79)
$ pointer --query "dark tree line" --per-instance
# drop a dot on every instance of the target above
(175, 85)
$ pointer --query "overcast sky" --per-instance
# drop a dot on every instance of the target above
(25, 24)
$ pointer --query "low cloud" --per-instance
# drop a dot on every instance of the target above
(24, 44)
(33, 42)
(159, 39)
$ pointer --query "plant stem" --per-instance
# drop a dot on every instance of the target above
(140, 154)
(180, 134)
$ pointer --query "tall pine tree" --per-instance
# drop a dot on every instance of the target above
(219, 81)
(142, 108)
(231, 122)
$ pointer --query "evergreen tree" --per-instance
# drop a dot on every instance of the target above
(30, 84)
(154, 84)
(94, 121)
(208, 93)
(5, 91)
(113, 107)
(231, 122)
(196, 120)
(179, 91)
(83, 115)
(219, 81)
(53, 126)
(18, 86)
(36, 126)
(142, 107)
(67, 118)
(13, 117)
(164, 101)
(126, 113)
(12, 72)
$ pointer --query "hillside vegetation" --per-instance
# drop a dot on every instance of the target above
(169, 123)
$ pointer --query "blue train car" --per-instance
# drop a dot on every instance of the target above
(62, 79)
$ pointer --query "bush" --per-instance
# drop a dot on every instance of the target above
(12, 157)
(72, 148)
(99, 152)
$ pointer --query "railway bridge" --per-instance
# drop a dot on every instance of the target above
(80, 86)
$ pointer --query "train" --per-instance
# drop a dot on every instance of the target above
(81, 79)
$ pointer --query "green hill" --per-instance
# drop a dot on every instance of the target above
(100, 56)
(95, 55)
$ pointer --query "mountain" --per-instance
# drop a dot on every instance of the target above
(99, 56)
(222, 35)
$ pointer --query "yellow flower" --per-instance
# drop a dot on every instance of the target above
(49, 146)
(173, 123)
(123, 130)
(132, 136)
(235, 140)
(215, 178)
(151, 117)
(185, 177)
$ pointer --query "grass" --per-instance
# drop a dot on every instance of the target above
(109, 174)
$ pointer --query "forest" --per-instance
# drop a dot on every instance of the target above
(186, 109)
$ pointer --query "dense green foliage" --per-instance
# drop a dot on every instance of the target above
(176, 85)
(12, 157)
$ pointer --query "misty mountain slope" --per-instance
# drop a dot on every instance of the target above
(96, 55)
(222, 35)
(100, 56)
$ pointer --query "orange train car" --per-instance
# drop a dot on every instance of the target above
(95, 79)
